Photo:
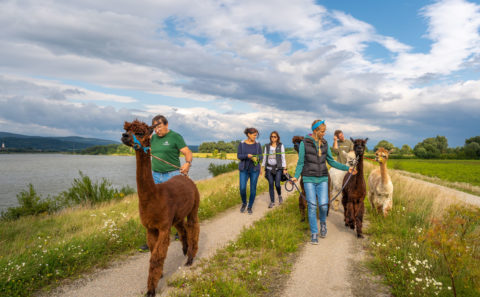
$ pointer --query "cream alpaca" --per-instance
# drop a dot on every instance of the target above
(380, 185)
(336, 177)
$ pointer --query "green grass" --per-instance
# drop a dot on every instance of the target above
(254, 264)
(465, 171)
(427, 245)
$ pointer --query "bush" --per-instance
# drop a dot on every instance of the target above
(223, 168)
(30, 203)
(83, 191)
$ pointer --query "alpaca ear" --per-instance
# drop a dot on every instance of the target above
(352, 139)
(150, 130)
(391, 151)
(366, 139)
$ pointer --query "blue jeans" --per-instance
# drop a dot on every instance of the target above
(274, 179)
(244, 176)
(159, 177)
(314, 191)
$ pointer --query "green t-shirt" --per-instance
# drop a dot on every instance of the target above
(167, 148)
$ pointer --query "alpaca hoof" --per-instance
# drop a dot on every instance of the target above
(359, 236)
(189, 262)
(150, 294)
(352, 227)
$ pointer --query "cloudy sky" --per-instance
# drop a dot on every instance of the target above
(395, 70)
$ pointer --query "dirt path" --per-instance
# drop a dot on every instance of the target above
(129, 278)
(333, 267)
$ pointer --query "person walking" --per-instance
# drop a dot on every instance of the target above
(313, 155)
(167, 145)
(275, 165)
(249, 153)
(340, 144)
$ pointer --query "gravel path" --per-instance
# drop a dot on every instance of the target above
(129, 278)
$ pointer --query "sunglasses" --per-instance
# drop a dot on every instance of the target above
(273, 136)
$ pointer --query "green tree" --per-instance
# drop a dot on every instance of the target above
(385, 144)
(406, 150)
(431, 147)
(472, 150)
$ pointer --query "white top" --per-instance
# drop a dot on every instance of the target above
(272, 159)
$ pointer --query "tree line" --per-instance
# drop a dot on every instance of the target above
(436, 148)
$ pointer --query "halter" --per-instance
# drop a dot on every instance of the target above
(137, 145)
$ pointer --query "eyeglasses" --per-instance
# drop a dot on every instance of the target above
(273, 136)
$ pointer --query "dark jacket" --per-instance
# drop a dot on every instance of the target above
(245, 161)
(315, 165)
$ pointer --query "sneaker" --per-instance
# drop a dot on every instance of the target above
(280, 200)
(143, 248)
(323, 230)
(314, 239)
(272, 204)
(176, 236)
(242, 209)
(250, 211)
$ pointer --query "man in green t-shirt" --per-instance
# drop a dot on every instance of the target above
(167, 145)
(340, 144)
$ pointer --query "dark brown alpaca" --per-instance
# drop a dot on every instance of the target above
(355, 191)
(162, 205)
(302, 200)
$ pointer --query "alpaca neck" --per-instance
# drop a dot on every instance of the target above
(145, 183)
(383, 172)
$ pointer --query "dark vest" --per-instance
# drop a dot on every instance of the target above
(315, 165)
(278, 155)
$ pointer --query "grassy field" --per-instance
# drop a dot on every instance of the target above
(38, 252)
(466, 171)
(428, 245)
(229, 156)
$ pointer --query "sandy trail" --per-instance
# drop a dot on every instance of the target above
(129, 278)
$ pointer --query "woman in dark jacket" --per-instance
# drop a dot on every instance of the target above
(275, 164)
(250, 155)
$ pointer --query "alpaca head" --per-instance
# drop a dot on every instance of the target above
(350, 157)
(296, 140)
(359, 146)
(140, 130)
(381, 155)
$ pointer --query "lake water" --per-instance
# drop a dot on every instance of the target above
(51, 174)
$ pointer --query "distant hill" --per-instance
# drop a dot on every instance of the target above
(24, 143)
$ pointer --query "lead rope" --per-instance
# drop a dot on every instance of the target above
(355, 162)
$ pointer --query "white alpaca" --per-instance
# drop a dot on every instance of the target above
(380, 192)
(336, 176)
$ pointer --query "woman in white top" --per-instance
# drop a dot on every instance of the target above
(275, 164)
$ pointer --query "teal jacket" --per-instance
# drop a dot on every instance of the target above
(301, 162)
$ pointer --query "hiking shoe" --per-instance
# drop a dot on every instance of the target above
(272, 204)
(314, 239)
(176, 236)
(143, 248)
(323, 230)
(242, 209)
(280, 200)
(250, 211)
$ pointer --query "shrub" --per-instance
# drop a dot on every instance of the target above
(222, 168)
(30, 203)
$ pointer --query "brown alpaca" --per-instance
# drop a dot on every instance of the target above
(380, 187)
(355, 191)
(302, 198)
(162, 205)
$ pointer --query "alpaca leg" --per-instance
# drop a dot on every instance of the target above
(193, 232)
(345, 213)
(370, 198)
(359, 210)
(152, 237)
(157, 257)
(180, 226)
(302, 205)
(351, 215)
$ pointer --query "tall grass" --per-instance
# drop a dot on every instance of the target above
(222, 168)
(426, 246)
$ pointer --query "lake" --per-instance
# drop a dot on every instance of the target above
(51, 174)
